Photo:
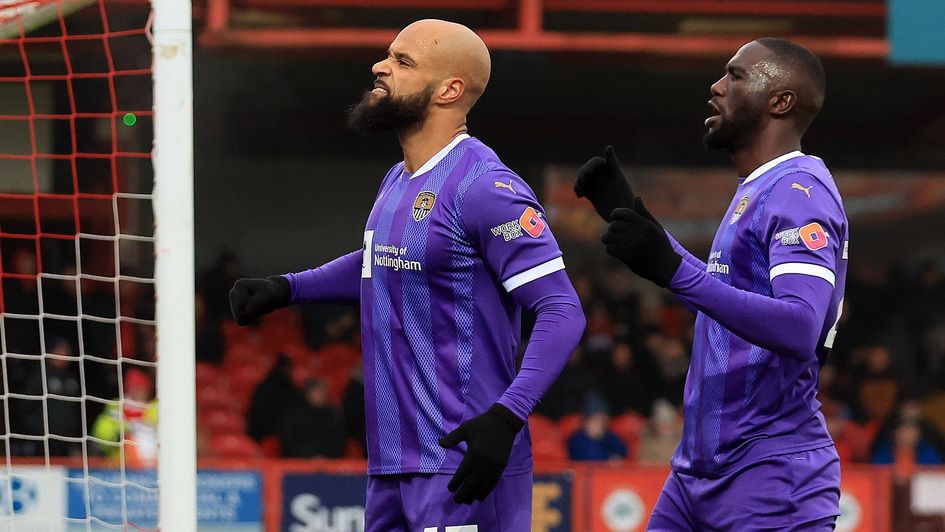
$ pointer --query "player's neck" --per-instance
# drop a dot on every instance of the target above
(423, 143)
(750, 157)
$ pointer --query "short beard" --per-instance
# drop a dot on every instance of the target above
(736, 132)
(388, 113)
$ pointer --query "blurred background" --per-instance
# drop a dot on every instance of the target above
(281, 185)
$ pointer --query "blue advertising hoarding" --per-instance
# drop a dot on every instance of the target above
(226, 500)
(323, 502)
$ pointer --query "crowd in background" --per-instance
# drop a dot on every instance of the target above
(620, 394)
(53, 397)
(292, 386)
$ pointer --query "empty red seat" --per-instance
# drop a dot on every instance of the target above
(549, 449)
(207, 374)
(569, 424)
(627, 427)
(234, 446)
(547, 441)
(215, 397)
(222, 422)
(271, 446)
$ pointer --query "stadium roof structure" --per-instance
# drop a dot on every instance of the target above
(853, 29)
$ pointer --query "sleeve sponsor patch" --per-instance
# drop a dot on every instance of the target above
(789, 237)
(813, 236)
(529, 223)
(508, 230)
(532, 223)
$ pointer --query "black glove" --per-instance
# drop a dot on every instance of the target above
(639, 241)
(488, 438)
(252, 298)
(602, 181)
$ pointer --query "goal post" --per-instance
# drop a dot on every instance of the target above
(97, 266)
(174, 269)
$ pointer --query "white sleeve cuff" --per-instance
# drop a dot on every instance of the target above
(531, 274)
(804, 268)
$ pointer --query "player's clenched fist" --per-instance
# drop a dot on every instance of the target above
(639, 241)
(252, 298)
(602, 182)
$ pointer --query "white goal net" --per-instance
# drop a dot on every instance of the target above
(81, 223)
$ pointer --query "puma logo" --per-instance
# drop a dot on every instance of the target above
(805, 189)
(499, 184)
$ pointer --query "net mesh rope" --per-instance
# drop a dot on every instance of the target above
(76, 265)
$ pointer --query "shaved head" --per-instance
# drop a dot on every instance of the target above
(451, 50)
(434, 70)
(790, 66)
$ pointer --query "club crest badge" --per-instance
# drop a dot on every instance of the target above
(423, 205)
(739, 210)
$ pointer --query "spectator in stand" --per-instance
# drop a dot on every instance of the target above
(925, 316)
(672, 364)
(877, 387)
(661, 435)
(62, 417)
(908, 440)
(352, 406)
(209, 338)
(594, 441)
(626, 383)
(20, 296)
(138, 412)
(271, 401)
(569, 391)
(314, 429)
(216, 280)
(599, 334)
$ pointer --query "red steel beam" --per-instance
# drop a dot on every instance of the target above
(547, 41)
(484, 5)
(808, 8)
(218, 15)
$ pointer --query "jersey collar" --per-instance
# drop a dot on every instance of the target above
(427, 166)
(771, 164)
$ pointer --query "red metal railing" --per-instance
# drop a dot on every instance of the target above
(530, 34)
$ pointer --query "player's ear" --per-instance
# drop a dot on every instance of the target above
(450, 91)
(782, 102)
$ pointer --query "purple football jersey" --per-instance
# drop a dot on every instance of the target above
(443, 247)
(744, 402)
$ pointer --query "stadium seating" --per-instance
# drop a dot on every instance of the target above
(215, 398)
(627, 427)
(234, 446)
(547, 440)
(569, 424)
(218, 422)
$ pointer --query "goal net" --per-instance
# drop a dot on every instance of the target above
(84, 396)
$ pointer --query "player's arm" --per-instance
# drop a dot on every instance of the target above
(803, 235)
(525, 257)
(686, 257)
(335, 282)
(684, 253)
(531, 270)
(791, 319)
(559, 325)
(338, 281)
(788, 322)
